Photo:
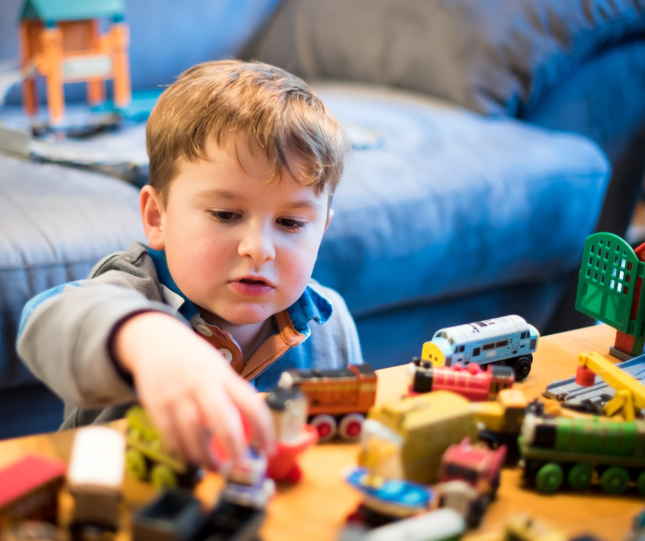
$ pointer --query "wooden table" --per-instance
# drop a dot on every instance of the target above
(315, 509)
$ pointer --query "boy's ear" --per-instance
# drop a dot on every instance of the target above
(330, 215)
(152, 216)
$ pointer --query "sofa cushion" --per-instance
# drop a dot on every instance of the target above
(493, 56)
(449, 202)
(55, 224)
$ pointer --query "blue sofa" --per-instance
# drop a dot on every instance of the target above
(490, 138)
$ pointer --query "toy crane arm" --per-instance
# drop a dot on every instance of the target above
(630, 393)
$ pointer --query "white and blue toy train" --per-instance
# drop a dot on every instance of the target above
(508, 339)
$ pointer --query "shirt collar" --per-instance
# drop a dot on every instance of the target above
(188, 308)
(310, 305)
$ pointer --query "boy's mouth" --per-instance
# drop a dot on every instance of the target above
(252, 285)
(250, 281)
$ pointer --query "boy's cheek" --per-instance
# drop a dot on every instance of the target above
(297, 277)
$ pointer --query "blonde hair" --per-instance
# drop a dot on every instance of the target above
(277, 111)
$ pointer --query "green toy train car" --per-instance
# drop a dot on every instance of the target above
(148, 460)
(581, 451)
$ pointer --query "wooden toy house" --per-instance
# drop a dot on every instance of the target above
(61, 40)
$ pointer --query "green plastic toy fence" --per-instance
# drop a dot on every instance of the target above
(608, 283)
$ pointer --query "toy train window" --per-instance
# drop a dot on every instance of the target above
(532, 345)
(501, 344)
(481, 324)
(453, 470)
(476, 352)
(486, 347)
(460, 349)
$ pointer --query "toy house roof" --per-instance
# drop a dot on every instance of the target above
(640, 252)
(71, 10)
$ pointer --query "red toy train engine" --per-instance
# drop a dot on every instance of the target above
(471, 382)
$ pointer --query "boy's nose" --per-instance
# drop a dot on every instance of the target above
(258, 245)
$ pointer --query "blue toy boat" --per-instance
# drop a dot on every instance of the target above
(391, 497)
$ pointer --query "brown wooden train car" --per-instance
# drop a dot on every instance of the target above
(338, 399)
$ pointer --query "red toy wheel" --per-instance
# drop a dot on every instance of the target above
(350, 426)
(325, 425)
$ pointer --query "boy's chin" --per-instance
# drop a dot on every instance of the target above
(247, 316)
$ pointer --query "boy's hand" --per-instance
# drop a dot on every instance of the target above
(189, 389)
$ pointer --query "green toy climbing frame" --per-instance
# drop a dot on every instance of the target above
(610, 279)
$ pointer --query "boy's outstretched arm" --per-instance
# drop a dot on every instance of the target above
(69, 337)
(189, 389)
(63, 339)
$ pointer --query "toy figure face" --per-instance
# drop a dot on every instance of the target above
(240, 248)
(294, 418)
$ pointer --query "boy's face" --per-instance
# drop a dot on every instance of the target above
(237, 246)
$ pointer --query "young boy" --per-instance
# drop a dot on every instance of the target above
(244, 159)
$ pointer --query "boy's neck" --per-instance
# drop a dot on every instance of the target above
(249, 337)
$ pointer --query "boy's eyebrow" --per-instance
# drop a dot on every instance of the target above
(224, 194)
(303, 204)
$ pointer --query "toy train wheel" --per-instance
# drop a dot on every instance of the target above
(521, 367)
(325, 425)
(549, 478)
(162, 477)
(350, 426)
(640, 483)
(580, 476)
(476, 512)
(614, 480)
(135, 464)
(494, 487)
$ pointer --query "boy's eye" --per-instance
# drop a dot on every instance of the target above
(290, 225)
(224, 215)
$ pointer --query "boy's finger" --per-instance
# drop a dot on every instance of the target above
(223, 419)
(163, 421)
(187, 421)
(255, 410)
